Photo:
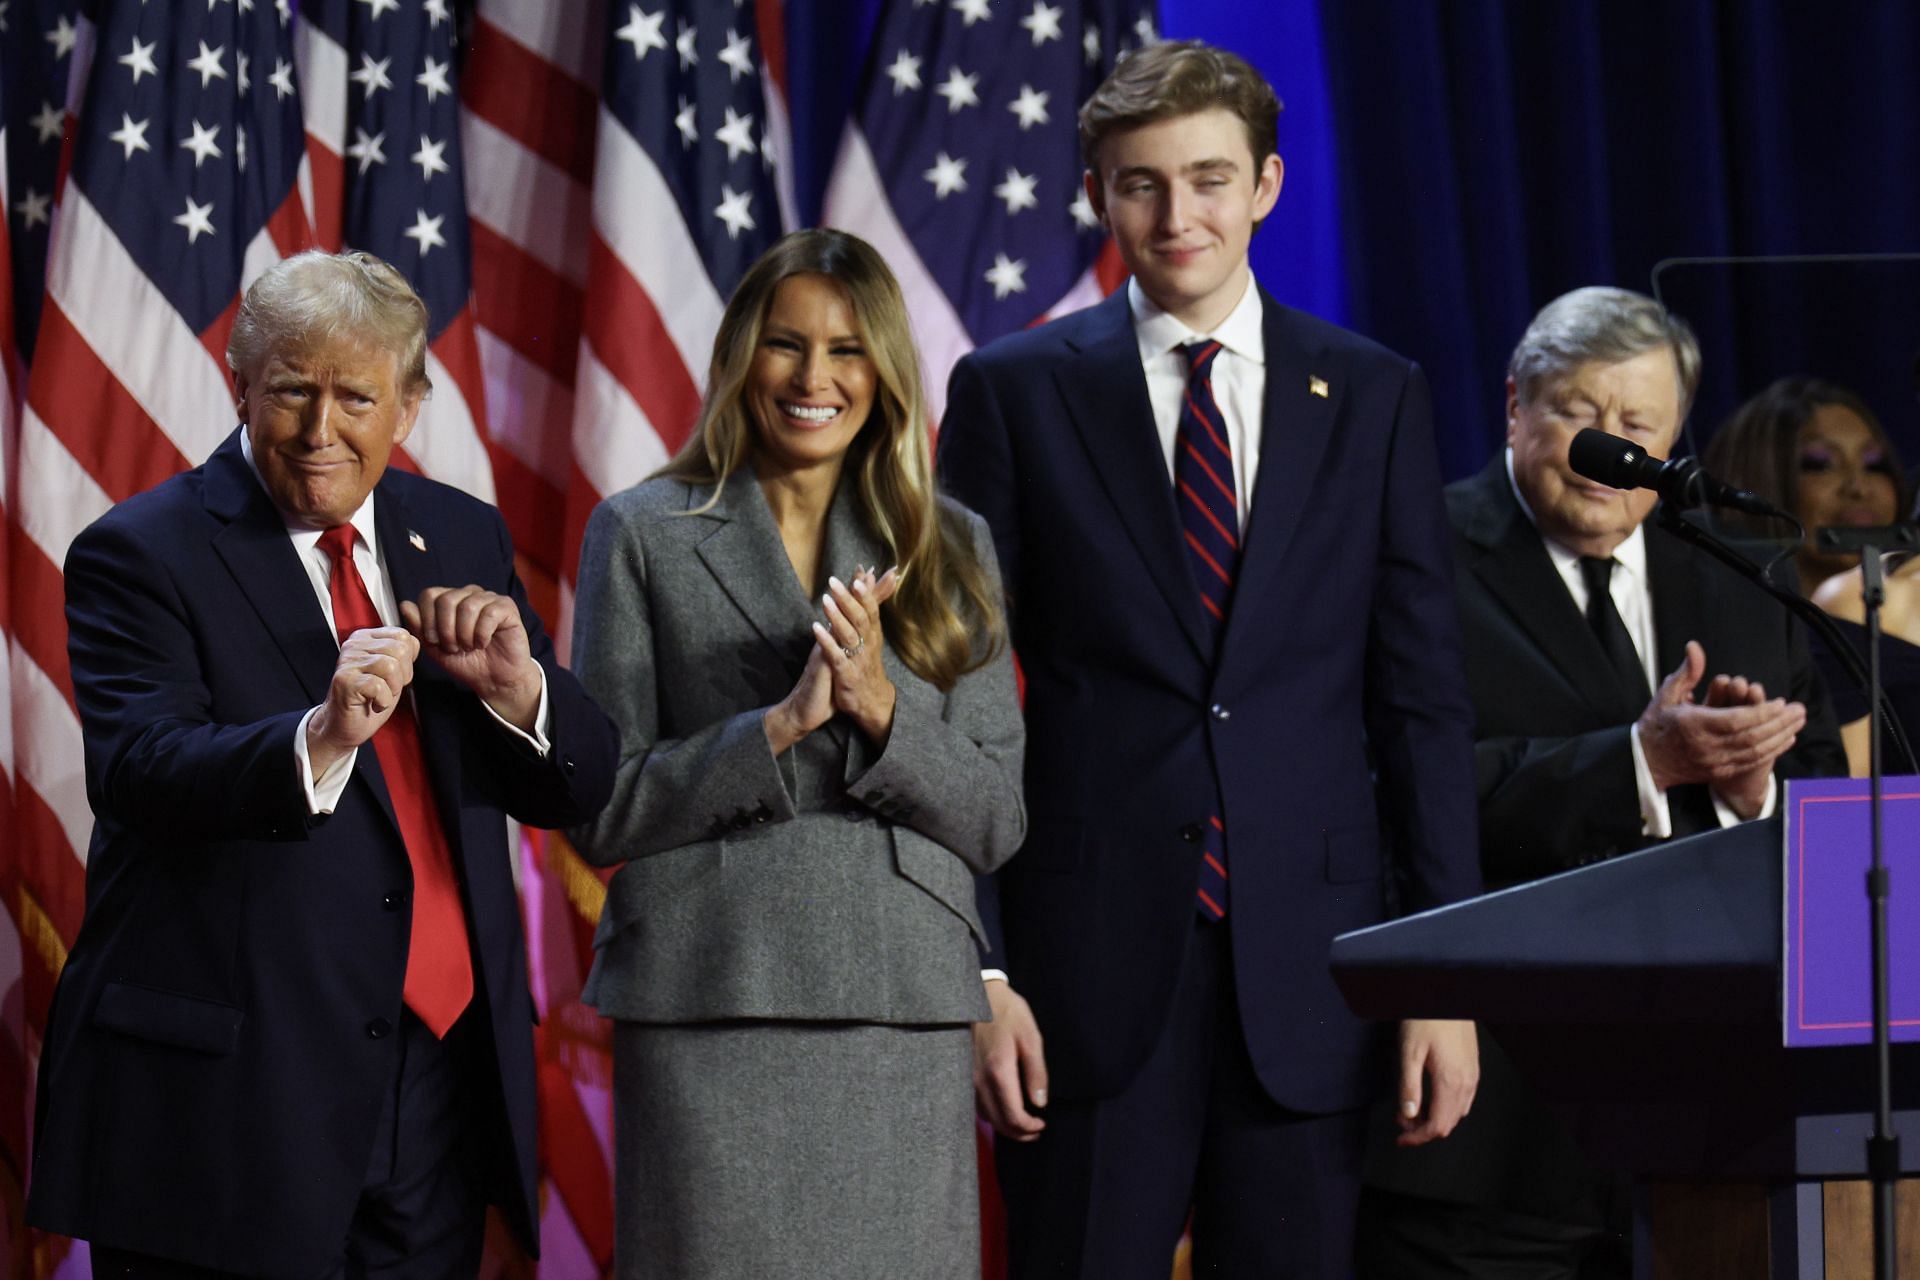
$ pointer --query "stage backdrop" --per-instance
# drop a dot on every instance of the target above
(575, 185)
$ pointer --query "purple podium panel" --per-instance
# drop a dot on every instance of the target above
(1826, 978)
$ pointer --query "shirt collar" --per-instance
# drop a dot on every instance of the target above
(1159, 332)
(1631, 554)
(304, 537)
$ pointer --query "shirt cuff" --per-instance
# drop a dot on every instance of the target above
(323, 793)
(993, 975)
(1656, 822)
(538, 738)
(1728, 818)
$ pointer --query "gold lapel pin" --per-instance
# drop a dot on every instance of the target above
(420, 544)
(1318, 386)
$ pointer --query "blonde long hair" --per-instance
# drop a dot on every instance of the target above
(945, 618)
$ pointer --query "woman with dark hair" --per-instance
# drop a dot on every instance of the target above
(1818, 450)
(817, 758)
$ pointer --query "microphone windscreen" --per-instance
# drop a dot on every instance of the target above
(1607, 458)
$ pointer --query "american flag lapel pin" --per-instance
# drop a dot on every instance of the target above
(1318, 386)
(416, 541)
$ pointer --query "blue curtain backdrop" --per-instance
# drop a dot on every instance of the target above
(1451, 165)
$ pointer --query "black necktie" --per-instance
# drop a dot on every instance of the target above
(1609, 629)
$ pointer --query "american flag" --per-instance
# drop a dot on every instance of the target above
(962, 164)
(575, 245)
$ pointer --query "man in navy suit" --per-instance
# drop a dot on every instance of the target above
(293, 1036)
(1221, 530)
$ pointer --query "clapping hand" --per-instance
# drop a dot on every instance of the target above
(852, 642)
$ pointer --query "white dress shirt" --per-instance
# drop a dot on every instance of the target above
(1239, 379)
(1632, 593)
(324, 792)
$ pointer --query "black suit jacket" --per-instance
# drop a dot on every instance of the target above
(223, 1029)
(1333, 725)
(1555, 780)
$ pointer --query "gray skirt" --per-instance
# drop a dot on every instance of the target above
(776, 1149)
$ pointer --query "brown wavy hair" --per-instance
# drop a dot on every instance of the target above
(945, 618)
(1759, 447)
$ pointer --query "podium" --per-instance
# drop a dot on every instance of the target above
(1641, 997)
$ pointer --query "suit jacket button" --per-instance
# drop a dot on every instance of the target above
(566, 762)
(741, 822)
(1219, 712)
(379, 1029)
(763, 814)
(394, 901)
(1191, 833)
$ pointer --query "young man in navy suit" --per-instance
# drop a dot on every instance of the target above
(1221, 529)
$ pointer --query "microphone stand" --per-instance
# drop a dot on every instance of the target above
(1883, 1145)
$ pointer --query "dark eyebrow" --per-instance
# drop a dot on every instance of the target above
(775, 329)
(1213, 164)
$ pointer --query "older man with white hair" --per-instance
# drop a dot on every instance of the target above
(293, 1036)
(1589, 636)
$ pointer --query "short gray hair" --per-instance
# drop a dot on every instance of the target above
(1606, 325)
(315, 296)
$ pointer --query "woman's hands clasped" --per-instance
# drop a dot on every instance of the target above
(844, 672)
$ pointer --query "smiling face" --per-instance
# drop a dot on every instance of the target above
(1181, 197)
(323, 421)
(1636, 399)
(810, 388)
(1843, 475)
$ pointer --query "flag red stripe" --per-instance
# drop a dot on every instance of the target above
(329, 193)
(583, 1183)
(288, 226)
(522, 302)
(631, 340)
(459, 354)
(88, 410)
(48, 865)
(532, 101)
(214, 336)
(39, 608)
(529, 504)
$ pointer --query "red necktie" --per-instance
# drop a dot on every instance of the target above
(439, 982)
(1210, 519)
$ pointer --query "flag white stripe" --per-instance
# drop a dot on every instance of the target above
(323, 67)
(50, 759)
(446, 440)
(566, 34)
(526, 200)
(64, 498)
(613, 442)
(529, 411)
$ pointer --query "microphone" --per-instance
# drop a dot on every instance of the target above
(1623, 464)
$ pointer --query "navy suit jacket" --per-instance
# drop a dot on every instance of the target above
(1334, 724)
(224, 1028)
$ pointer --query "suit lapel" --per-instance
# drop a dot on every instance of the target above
(746, 557)
(1301, 404)
(1673, 578)
(1511, 561)
(1106, 395)
(255, 548)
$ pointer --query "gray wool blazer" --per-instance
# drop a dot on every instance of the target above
(835, 882)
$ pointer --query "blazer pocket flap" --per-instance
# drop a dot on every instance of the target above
(1353, 854)
(654, 883)
(167, 1017)
(940, 873)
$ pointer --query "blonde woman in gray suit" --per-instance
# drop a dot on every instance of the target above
(804, 648)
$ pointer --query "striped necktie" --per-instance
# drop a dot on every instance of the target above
(1210, 521)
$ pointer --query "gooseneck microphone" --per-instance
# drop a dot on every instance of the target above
(1623, 464)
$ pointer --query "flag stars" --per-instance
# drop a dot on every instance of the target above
(197, 219)
(433, 78)
(367, 150)
(1082, 210)
(49, 122)
(643, 32)
(132, 135)
(1030, 106)
(1144, 29)
(1017, 190)
(431, 157)
(958, 90)
(1043, 23)
(684, 45)
(683, 120)
(904, 72)
(240, 138)
(208, 64)
(203, 143)
(738, 55)
(1090, 45)
(34, 209)
(378, 7)
(4, 6)
(425, 232)
(64, 36)
(1007, 276)
(372, 76)
(437, 13)
(972, 11)
(241, 80)
(948, 175)
(281, 79)
(139, 60)
(735, 209)
(737, 133)
(285, 9)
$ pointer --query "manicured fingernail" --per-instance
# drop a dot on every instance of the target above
(1410, 1109)
(836, 584)
(1039, 1097)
